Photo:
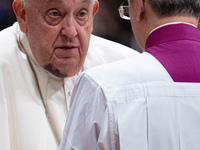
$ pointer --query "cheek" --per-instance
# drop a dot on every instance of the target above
(39, 31)
(90, 28)
(85, 34)
(41, 42)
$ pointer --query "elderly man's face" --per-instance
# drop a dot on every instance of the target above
(59, 33)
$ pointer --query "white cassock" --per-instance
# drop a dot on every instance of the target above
(132, 104)
(27, 91)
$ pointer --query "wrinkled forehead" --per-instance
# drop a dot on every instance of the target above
(64, 0)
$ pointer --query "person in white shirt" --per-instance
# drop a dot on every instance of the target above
(41, 57)
(150, 102)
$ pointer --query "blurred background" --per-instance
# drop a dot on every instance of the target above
(107, 23)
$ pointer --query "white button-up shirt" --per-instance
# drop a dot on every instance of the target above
(132, 105)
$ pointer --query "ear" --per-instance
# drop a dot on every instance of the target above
(20, 14)
(95, 10)
(95, 7)
(140, 8)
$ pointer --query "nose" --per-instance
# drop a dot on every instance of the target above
(69, 28)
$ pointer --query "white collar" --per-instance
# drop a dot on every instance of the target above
(170, 23)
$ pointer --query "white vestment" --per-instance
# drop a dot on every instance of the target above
(132, 104)
(23, 123)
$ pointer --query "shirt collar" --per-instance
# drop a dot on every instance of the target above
(170, 23)
(172, 32)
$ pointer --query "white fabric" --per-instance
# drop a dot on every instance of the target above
(23, 124)
(132, 105)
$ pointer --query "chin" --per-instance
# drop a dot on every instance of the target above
(55, 72)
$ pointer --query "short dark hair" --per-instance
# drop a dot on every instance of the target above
(167, 8)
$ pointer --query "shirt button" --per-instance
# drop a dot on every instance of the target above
(70, 93)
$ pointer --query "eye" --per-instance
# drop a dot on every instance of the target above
(82, 17)
(82, 14)
(54, 14)
(53, 17)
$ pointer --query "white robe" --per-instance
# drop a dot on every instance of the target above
(132, 104)
(23, 123)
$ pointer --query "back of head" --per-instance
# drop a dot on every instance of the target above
(168, 8)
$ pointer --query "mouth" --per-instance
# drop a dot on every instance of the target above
(67, 47)
(66, 51)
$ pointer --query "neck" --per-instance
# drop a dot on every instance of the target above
(154, 22)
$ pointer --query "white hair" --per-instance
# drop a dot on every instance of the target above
(26, 3)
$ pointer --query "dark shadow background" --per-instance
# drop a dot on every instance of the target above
(107, 22)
